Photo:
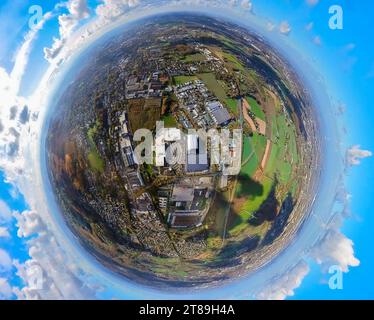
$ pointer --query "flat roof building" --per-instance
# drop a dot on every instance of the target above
(219, 113)
(182, 194)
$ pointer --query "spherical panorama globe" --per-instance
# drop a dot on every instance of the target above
(182, 153)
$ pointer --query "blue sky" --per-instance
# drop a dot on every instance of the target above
(345, 60)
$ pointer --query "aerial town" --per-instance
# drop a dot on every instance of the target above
(218, 209)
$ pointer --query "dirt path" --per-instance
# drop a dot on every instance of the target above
(265, 158)
(245, 109)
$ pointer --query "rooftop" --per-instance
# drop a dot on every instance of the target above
(182, 193)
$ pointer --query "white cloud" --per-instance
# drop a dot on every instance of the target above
(5, 289)
(246, 4)
(111, 9)
(4, 233)
(349, 46)
(284, 28)
(61, 277)
(312, 2)
(317, 40)
(28, 223)
(283, 286)
(309, 26)
(106, 12)
(22, 55)
(12, 118)
(78, 10)
(5, 261)
(355, 154)
(5, 212)
(270, 26)
(58, 279)
(335, 249)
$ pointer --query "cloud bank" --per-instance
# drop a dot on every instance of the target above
(283, 286)
(78, 10)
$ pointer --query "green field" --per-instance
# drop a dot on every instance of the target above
(228, 43)
(252, 153)
(273, 158)
(169, 121)
(256, 109)
(284, 150)
(246, 187)
(213, 85)
(249, 158)
(184, 79)
(254, 192)
(253, 202)
(250, 167)
(194, 57)
(253, 150)
(94, 159)
(259, 142)
(247, 148)
(233, 61)
(232, 104)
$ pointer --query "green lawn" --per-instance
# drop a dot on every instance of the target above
(213, 85)
(234, 61)
(255, 147)
(256, 109)
(259, 143)
(254, 202)
(294, 187)
(247, 148)
(232, 104)
(228, 43)
(284, 171)
(284, 149)
(194, 57)
(95, 161)
(169, 121)
(273, 159)
(184, 79)
(254, 192)
(251, 166)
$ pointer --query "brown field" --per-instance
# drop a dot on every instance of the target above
(261, 126)
(247, 118)
(143, 113)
